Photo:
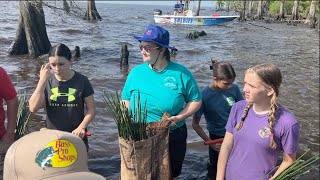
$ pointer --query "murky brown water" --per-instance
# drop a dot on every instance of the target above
(294, 49)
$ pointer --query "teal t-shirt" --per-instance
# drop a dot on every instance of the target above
(216, 106)
(165, 91)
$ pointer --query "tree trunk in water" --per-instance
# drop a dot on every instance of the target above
(295, 10)
(250, 9)
(311, 19)
(92, 13)
(265, 6)
(31, 37)
(66, 6)
(281, 12)
(198, 8)
(259, 10)
(228, 6)
(186, 5)
(243, 11)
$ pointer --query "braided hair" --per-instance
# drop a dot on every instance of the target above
(271, 77)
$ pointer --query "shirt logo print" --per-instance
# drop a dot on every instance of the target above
(170, 82)
(230, 101)
(264, 132)
(56, 94)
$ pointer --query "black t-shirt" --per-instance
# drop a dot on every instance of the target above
(65, 102)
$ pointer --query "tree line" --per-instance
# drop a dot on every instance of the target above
(305, 11)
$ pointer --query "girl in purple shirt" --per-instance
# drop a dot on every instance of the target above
(258, 129)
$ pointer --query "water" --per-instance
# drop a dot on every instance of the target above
(295, 49)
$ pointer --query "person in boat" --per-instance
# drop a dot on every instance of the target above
(217, 100)
(178, 8)
(171, 88)
(258, 129)
(64, 93)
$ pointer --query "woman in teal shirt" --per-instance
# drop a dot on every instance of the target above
(165, 86)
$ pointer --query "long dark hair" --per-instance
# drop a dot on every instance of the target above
(60, 50)
(222, 70)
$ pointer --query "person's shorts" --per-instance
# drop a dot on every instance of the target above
(177, 149)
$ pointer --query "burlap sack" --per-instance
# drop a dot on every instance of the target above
(147, 159)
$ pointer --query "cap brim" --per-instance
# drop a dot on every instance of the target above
(141, 38)
(77, 176)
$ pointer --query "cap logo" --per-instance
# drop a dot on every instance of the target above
(148, 33)
(58, 153)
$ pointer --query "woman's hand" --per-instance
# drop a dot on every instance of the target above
(216, 146)
(174, 120)
(80, 132)
(45, 72)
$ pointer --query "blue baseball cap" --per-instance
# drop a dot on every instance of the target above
(156, 34)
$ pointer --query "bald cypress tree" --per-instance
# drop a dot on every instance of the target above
(92, 13)
(295, 10)
(31, 36)
(311, 19)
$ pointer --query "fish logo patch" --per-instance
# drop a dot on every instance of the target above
(264, 132)
(57, 154)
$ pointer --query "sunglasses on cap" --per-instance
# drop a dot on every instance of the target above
(147, 48)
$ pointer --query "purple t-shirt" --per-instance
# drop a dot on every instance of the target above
(251, 156)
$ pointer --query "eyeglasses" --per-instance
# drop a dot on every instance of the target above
(147, 48)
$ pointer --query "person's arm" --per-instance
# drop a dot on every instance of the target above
(198, 128)
(37, 99)
(12, 110)
(91, 112)
(201, 133)
(189, 109)
(288, 159)
(226, 148)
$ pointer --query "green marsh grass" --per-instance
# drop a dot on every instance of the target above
(22, 116)
(299, 168)
(131, 127)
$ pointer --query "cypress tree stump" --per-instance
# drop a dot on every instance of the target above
(31, 37)
(92, 13)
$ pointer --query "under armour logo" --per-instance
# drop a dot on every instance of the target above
(56, 94)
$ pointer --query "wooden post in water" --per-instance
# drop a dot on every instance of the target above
(124, 56)
(198, 8)
(77, 52)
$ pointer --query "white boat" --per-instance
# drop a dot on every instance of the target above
(188, 18)
(193, 20)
